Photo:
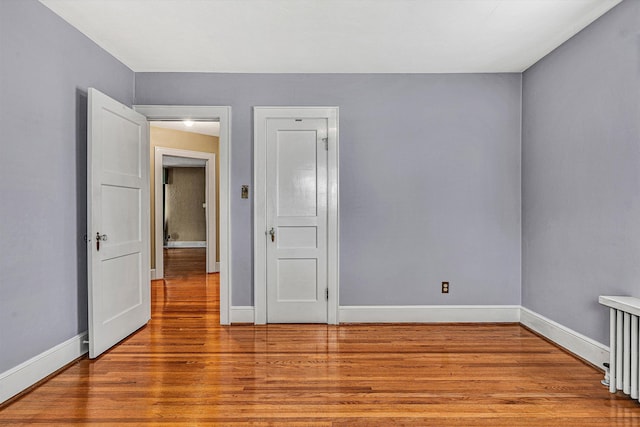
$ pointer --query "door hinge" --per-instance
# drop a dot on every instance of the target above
(326, 143)
(326, 293)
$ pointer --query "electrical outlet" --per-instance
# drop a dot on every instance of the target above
(445, 287)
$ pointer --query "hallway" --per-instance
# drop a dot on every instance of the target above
(185, 369)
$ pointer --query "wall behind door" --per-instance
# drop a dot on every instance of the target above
(46, 67)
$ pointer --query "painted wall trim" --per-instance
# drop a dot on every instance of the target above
(26, 374)
(153, 274)
(578, 344)
(429, 313)
(186, 244)
(242, 314)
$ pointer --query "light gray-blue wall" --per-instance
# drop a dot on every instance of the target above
(429, 177)
(45, 69)
(581, 173)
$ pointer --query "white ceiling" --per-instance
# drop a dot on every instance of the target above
(204, 128)
(330, 36)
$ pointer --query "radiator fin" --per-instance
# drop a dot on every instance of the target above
(624, 351)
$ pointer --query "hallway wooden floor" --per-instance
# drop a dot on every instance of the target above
(185, 369)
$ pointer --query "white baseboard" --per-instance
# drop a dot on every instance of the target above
(578, 344)
(218, 268)
(185, 244)
(153, 274)
(242, 314)
(38, 367)
(429, 313)
(33, 370)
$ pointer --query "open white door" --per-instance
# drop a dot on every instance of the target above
(118, 222)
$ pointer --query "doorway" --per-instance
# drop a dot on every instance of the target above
(223, 116)
(178, 179)
(184, 216)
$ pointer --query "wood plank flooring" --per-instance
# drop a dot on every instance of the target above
(185, 369)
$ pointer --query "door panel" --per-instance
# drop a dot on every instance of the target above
(297, 280)
(297, 212)
(123, 156)
(124, 274)
(123, 223)
(296, 190)
(297, 237)
(118, 212)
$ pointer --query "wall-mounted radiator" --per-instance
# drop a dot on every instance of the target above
(623, 344)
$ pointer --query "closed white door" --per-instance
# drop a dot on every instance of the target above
(118, 222)
(296, 219)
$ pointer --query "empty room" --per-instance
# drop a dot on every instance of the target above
(409, 212)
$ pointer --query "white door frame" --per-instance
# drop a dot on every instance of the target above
(223, 114)
(210, 203)
(260, 116)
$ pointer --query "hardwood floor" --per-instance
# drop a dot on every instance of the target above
(185, 369)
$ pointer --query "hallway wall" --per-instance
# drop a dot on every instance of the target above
(184, 196)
